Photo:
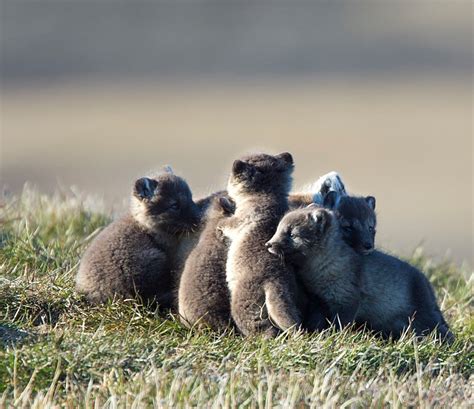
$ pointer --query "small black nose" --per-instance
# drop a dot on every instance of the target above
(268, 245)
(368, 246)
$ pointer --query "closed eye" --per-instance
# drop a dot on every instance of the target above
(174, 206)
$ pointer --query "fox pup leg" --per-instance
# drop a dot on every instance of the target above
(153, 279)
(345, 314)
(281, 307)
(315, 317)
(428, 321)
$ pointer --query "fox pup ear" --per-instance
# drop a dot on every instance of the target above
(239, 167)
(321, 218)
(286, 157)
(227, 205)
(145, 188)
(330, 199)
(370, 201)
(340, 186)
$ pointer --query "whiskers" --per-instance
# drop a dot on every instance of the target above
(281, 257)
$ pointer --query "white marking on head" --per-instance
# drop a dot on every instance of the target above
(332, 182)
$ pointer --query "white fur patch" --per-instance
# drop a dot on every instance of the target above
(333, 181)
(238, 237)
(230, 232)
(139, 214)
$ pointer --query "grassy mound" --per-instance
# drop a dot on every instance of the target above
(57, 350)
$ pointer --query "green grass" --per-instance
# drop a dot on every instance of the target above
(55, 350)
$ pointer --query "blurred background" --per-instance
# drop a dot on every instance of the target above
(96, 93)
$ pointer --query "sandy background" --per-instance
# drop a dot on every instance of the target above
(94, 94)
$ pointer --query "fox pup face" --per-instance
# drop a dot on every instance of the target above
(301, 233)
(357, 220)
(261, 173)
(165, 202)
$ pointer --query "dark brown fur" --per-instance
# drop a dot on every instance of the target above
(204, 297)
(138, 254)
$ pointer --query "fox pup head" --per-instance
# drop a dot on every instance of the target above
(301, 233)
(357, 220)
(261, 173)
(164, 202)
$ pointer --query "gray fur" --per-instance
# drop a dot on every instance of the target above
(390, 292)
(204, 297)
(395, 293)
(356, 214)
(262, 288)
(357, 220)
(310, 240)
(140, 253)
(189, 240)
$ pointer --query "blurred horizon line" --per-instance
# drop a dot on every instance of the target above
(175, 83)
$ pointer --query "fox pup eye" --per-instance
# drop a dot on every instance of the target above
(174, 206)
(371, 229)
(293, 234)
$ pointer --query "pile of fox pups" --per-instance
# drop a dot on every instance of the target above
(259, 259)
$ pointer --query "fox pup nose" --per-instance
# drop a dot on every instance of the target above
(368, 246)
(273, 248)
